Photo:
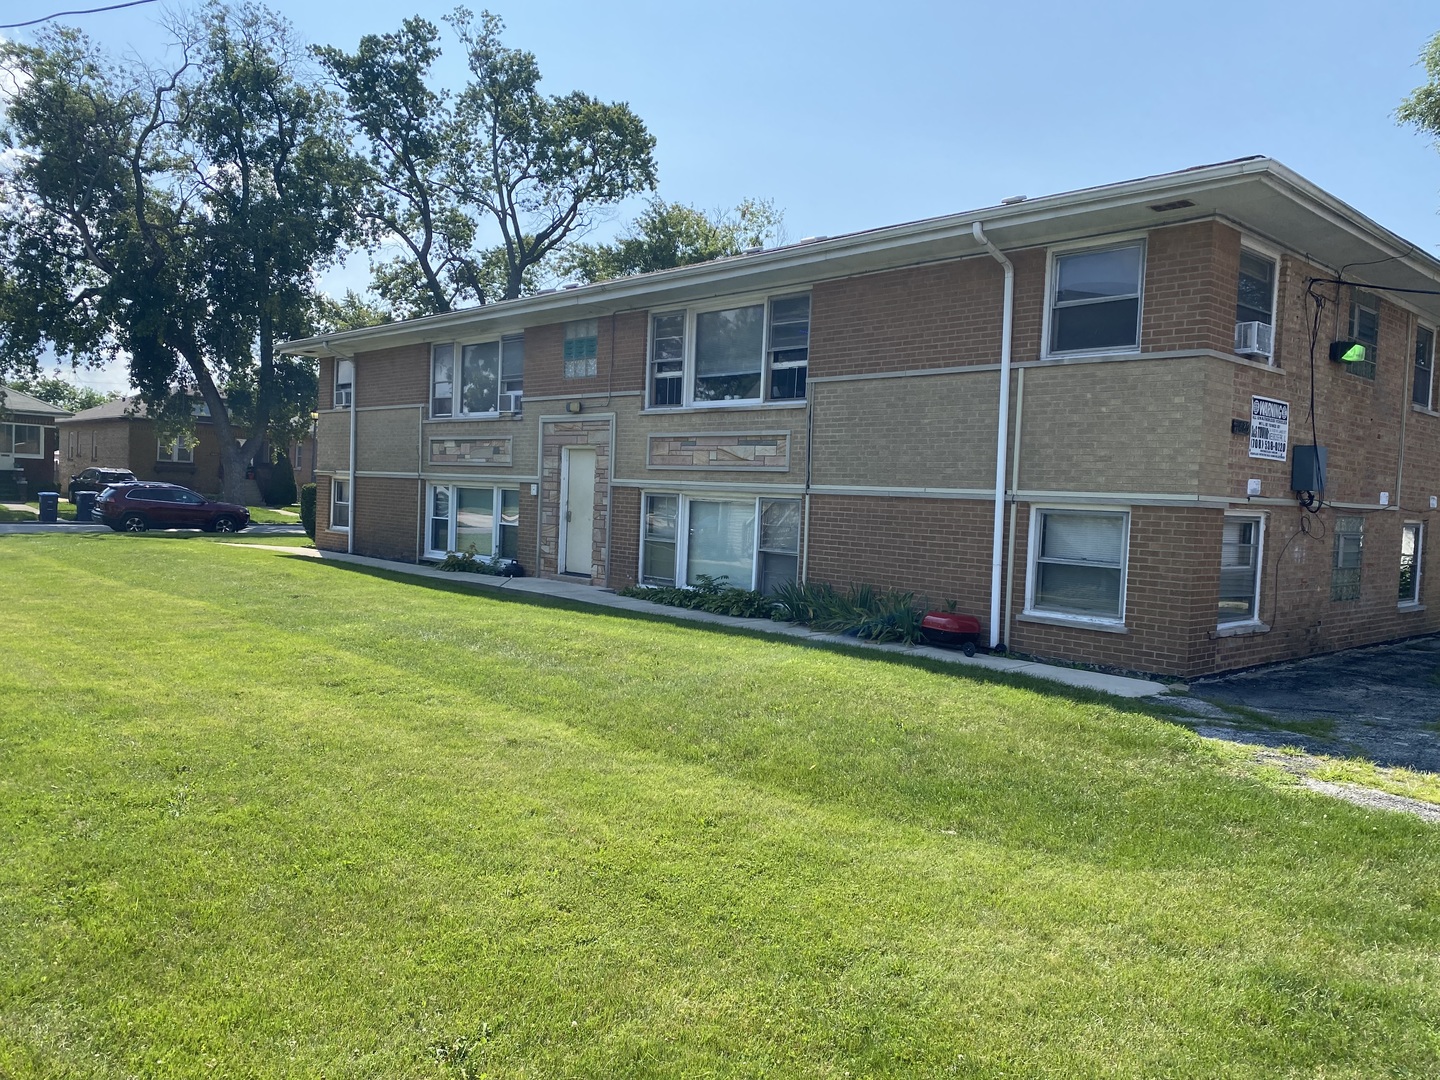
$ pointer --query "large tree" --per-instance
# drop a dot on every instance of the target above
(671, 234)
(1422, 107)
(172, 218)
(478, 188)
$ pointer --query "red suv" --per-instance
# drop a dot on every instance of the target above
(141, 506)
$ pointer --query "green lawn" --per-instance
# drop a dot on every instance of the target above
(267, 816)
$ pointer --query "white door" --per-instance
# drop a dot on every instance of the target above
(578, 526)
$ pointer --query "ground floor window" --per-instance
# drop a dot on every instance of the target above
(1240, 560)
(340, 504)
(1345, 563)
(1411, 536)
(180, 449)
(1077, 563)
(481, 520)
(751, 543)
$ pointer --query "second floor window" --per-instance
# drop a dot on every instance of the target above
(1255, 307)
(582, 346)
(1095, 299)
(344, 383)
(749, 353)
(486, 379)
(1424, 390)
(1365, 328)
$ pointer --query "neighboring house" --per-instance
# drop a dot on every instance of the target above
(119, 435)
(28, 441)
(831, 411)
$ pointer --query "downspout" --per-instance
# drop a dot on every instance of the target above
(1014, 487)
(1002, 431)
(354, 385)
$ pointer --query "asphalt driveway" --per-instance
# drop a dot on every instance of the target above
(1381, 703)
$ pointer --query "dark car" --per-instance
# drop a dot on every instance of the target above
(99, 480)
(140, 506)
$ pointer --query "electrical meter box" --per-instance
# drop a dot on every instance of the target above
(1307, 468)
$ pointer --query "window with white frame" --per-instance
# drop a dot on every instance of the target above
(180, 449)
(1346, 561)
(1077, 563)
(746, 353)
(582, 346)
(1412, 535)
(483, 521)
(1240, 561)
(1255, 306)
(1423, 393)
(486, 379)
(1365, 328)
(1095, 299)
(339, 504)
(22, 440)
(344, 383)
(750, 544)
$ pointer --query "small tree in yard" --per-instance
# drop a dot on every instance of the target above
(172, 218)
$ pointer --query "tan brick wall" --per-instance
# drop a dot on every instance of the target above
(620, 346)
(520, 430)
(558, 435)
(385, 514)
(398, 376)
(1136, 426)
(624, 538)
(1191, 274)
(387, 440)
(634, 429)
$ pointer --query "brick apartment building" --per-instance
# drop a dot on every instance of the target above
(119, 435)
(832, 411)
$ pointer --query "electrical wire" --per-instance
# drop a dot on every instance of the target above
(82, 11)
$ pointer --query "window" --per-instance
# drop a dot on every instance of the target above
(748, 353)
(481, 520)
(491, 378)
(1424, 391)
(1078, 563)
(1345, 567)
(750, 543)
(1411, 536)
(340, 504)
(344, 383)
(1240, 550)
(1255, 306)
(442, 380)
(181, 449)
(1095, 303)
(582, 341)
(1365, 328)
(662, 513)
(74, 444)
(22, 440)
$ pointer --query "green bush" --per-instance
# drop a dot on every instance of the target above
(470, 562)
(868, 613)
(709, 594)
(307, 509)
(277, 481)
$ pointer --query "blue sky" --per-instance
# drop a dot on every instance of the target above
(853, 116)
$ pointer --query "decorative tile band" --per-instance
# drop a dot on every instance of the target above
(466, 450)
(748, 451)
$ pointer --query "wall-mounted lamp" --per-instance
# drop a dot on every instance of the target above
(574, 406)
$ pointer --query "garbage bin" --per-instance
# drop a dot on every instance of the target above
(49, 507)
(84, 506)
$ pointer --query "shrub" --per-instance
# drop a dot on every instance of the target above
(470, 562)
(277, 481)
(709, 594)
(307, 509)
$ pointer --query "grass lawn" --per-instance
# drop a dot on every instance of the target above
(267, 816)
(275, 515)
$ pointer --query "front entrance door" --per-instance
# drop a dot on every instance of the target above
(577, 536)
(7, 447)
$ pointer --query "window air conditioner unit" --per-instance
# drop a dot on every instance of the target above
(511, 402)
(342, 398)
(1254, 339)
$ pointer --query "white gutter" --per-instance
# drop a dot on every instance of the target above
(1002, 431)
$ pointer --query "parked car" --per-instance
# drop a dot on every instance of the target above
(140, 506)
(99, 480)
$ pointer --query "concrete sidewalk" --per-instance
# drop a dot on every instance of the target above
(597, 597)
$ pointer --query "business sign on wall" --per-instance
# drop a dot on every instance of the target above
(1269, 428)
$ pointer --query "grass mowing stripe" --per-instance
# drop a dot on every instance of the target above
(714, 856)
